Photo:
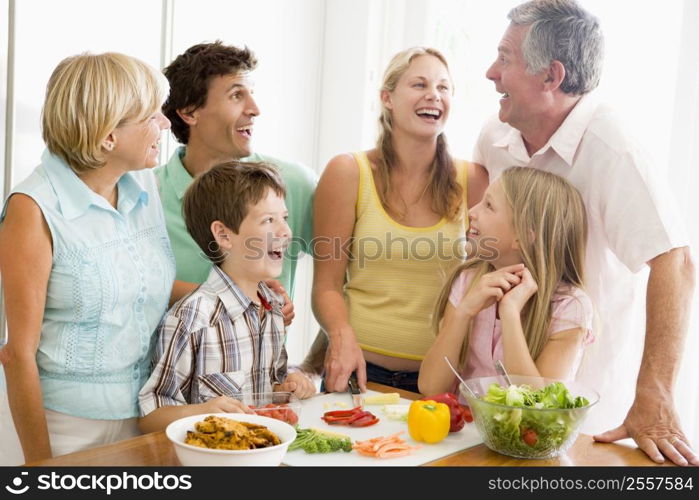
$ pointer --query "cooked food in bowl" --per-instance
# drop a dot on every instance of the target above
(219, 430)
(532, 418)
(221, 433)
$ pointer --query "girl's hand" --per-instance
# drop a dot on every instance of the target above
(518, 295)
(298, 383)
(491, 288)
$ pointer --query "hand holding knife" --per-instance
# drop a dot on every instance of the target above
(353, 388)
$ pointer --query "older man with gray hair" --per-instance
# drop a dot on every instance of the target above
(549, 62)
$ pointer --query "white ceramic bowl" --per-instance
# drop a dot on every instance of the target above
(194, 455)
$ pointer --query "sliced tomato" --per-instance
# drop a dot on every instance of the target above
(291, 416)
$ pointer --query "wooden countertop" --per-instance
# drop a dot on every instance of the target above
(154, 450)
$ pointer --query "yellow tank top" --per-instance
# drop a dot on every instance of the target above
(397, 272)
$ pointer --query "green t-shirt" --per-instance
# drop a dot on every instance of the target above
(192, 264)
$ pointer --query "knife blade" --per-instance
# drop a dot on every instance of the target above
(353, 387)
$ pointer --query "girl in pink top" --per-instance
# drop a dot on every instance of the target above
(520, 300)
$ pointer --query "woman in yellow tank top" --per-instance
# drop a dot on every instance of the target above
(389, 224)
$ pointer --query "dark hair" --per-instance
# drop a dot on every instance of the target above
(225, 193)
(190, 75)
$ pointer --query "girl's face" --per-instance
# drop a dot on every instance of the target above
(492, 230)
(420, 102)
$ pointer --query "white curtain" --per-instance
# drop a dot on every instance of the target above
(684, 178)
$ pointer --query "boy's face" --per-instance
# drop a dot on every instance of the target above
(224, 124)
(257, 250)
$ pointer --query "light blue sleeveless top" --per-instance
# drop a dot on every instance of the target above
(110, 282)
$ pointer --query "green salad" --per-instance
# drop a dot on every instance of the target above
(524, 431)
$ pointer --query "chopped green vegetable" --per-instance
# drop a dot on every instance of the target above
(315, 441)
(396, 412)
(525, 431)
(387, 398)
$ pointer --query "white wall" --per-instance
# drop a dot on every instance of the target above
(287, 39)
(65, 28)
(4, 30)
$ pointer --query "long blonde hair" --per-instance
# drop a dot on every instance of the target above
(550, 223)
(443, 188)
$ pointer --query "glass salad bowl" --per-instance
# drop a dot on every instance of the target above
(535, 417)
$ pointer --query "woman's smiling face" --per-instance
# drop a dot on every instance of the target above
(137, 144)
(421, 101)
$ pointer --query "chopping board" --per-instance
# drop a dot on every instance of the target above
(312, 409)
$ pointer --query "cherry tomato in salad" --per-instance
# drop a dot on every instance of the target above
(529, 436)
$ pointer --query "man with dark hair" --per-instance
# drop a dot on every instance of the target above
(212, 111)
(549, 62)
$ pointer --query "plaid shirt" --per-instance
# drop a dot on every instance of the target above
(212, 343)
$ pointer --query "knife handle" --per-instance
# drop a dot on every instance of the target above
(353, 384)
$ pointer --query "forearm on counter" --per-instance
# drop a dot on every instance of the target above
(668, 302)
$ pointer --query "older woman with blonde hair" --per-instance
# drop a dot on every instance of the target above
(86, 265)
(400, 208)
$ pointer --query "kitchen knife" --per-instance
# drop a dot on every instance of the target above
(354, 390)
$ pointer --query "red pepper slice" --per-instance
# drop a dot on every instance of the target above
(359, 415)
(350, 417)
(335, 420)
(364, 421)
(341, 416)
(343, 413)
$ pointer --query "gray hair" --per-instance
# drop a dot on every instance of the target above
(561, 30)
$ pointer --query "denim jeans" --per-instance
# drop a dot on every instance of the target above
(398, 379)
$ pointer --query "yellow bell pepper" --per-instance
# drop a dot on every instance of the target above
(428, 421)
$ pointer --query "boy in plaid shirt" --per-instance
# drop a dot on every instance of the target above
(226, 338)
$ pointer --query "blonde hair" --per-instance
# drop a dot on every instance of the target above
(444, 189)
(88, 96)
(550, 223)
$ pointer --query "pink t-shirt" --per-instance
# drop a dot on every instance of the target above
(571, 308)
